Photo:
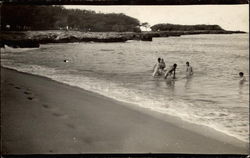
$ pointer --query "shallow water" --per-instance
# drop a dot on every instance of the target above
(212, 97)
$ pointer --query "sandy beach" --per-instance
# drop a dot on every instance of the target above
(42, 116)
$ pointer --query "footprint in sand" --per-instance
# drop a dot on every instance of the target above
(87, 140)
(27, 93)
(45, 106)
(30, 95)
(60, 115)
(50, 108)
(70, 125)
(17, 87)
(30, 98)
(11, 84)
(55, 111)
(57, 114)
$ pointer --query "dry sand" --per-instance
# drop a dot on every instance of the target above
(42, 116)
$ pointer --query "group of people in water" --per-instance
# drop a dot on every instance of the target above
(160, 69)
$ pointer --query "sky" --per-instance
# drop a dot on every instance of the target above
(229, 17)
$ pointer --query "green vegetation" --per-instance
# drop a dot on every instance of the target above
(174, 27)
(41, 17)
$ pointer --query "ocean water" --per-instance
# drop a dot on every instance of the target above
(213, 97)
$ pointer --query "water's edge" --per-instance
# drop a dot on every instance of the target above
(192, 126)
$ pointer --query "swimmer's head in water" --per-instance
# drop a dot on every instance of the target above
(241, 74)
(175, 65)
(187, 63)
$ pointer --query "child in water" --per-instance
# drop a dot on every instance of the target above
(189, 70)
(172, 70)
(242, 77)
(162, 64)
(159, 67)
(156, 68)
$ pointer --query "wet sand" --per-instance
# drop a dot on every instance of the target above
(41, 116)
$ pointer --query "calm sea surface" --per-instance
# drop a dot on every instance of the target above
(212, 97)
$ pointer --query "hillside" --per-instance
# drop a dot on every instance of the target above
(41, 17)
(176, 27)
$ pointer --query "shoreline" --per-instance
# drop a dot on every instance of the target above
(119, 119)
(193, 126)
(33, 39)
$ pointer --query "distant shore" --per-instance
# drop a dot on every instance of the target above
(51, 117)
(33, 39)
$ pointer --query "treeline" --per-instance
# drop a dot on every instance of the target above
(42, 17)
(175, 27)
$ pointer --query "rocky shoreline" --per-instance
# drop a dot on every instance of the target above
(33, 39)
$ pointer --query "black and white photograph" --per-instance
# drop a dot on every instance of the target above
(124, 79)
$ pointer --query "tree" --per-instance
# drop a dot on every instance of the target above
(175, 27)
(41, 17)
